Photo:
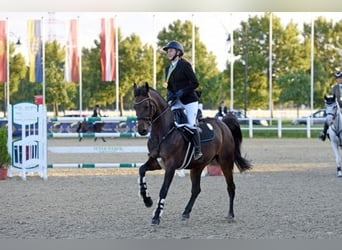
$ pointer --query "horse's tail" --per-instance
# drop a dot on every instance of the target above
(232, 122)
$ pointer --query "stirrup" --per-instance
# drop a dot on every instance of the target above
(197, 155)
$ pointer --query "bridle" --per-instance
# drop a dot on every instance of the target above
(153, 110)
(333, 114)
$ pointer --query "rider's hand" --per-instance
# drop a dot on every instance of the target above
(179, 93)
(170, 96)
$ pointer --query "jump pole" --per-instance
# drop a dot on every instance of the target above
(95, 135)
(95, 165)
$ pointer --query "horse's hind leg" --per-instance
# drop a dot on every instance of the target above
(227, 170)
(195, 176)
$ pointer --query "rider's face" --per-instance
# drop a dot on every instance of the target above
(171, 53)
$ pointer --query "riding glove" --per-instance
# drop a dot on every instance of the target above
(170, 96)
(179, 93)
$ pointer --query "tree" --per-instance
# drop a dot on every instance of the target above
(296, 89)
(94, 90)
(58, 92)
(327, 55)
(136, 66)
(17, 71)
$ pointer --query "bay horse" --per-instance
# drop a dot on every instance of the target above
(86, 127)
(169, 149)
(334, 120)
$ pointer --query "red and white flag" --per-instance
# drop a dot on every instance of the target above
(3, 51)
(71, 73)
(107, 50)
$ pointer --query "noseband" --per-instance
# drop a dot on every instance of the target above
(333, 114)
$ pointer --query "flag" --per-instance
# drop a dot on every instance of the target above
(3, 52)
(72, 61)
(35, 50)
(107, 50)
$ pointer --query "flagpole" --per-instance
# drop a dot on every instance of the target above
(193, 42)
(43, 59)
(232, 61)
(7, 86)
(312, 47)
(154, 53)
(79, 65)
(116, 63)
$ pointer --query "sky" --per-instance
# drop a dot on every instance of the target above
(214, 27)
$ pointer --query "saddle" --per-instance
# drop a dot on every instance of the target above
(205, 129)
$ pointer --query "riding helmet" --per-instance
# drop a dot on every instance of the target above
(338, 74)
(175, 45)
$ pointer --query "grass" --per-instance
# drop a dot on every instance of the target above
(288, 130)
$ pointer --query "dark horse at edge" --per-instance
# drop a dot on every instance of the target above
(168, 148)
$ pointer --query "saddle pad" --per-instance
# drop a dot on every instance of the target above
(207, 132)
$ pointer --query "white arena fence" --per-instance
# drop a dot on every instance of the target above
(27, 151)
(65, 127)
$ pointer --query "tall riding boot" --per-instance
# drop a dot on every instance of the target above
(323, 134)
(197, 144)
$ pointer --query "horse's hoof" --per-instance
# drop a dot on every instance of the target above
(148, 202)
(230, 219)
(155, 222)
(185, 217)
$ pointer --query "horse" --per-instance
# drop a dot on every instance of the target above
(86, 126)
(334, 120)
(170, 149)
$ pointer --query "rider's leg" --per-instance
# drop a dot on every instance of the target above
(197, 144)
(191, 110)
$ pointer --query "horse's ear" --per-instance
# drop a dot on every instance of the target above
(135, 87)
(146, 86)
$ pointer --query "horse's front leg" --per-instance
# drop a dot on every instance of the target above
(150, 165)
(339, 162)
(158, 211)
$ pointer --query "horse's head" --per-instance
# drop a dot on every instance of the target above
(331, 108)
(149, 105)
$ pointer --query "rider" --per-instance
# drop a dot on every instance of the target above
(222, 110)
(96, 113)
(181, 84)
(337, 91)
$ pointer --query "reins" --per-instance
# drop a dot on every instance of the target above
(153, 120)
(150, 118)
